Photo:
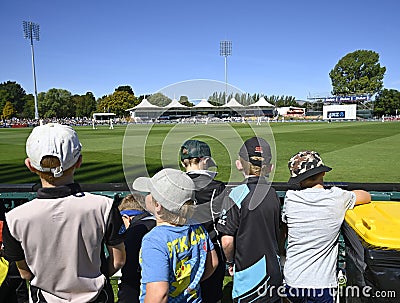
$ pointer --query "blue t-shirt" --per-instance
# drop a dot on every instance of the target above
(175, 254)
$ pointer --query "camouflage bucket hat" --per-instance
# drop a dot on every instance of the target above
(304, 165)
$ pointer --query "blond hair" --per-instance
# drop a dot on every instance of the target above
(132, 201)
(254, 170)
(53, 162)
(181, 218)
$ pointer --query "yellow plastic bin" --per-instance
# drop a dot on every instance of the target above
(372, 236)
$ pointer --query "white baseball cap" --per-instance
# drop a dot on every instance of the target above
(56, 140)
(171, 188)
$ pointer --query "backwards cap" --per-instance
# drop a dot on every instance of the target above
(196, 149)
(56, 140)
(256, 147)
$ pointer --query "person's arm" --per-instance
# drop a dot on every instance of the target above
(114, 239)
(228, 246)
(211, 264)
(13, 252)
(116, 259)
(362, 197)
(157, 292)
(282, 239)
(24, 270)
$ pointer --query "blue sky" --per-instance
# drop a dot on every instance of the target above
(278, 47)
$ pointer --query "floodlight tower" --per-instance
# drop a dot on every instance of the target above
(31, 32)
(225, 49)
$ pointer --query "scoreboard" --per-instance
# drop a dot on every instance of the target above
(340, 112)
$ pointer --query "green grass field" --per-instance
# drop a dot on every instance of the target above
(357, 151)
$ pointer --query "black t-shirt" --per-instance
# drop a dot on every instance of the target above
(131, 272)
(251, 214)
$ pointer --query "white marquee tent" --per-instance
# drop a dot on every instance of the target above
(203, 104)
(232, 104)
(262, 103)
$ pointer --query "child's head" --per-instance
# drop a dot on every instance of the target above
(171, 195)
(307, 169)
(131, 206)
(133, 201)
(255, 157)
(196, 153)
(53, 151)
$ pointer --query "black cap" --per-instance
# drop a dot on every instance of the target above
(256, 147)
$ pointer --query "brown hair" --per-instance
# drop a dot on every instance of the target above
(191, 161)
(251, 169)
(52, 162)
(313, 180)
(132, 201)
(181, 218)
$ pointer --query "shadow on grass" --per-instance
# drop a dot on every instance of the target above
(16, 173)
(89, 172)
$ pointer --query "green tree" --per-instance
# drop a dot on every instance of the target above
(358, 72)
(8, 110)
(387, 102)
(4, 97)
(125, 88)
(85, 104)
(56, 103)
(13, 92)
(159, 99)
(117, 103)
(185, 101)
(286, 101)
(29, 107)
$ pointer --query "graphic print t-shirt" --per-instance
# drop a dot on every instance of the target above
(175, 254)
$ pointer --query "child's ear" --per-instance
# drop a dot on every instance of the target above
(239, 165)
(204, 163)
(79, 162)
(29, 165)
(270, 167)
(157, 206)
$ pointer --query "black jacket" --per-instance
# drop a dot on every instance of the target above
(209, 196)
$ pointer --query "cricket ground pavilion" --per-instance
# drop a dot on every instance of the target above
(176, 110)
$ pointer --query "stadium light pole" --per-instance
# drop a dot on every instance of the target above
(31, 32)
(225, 49)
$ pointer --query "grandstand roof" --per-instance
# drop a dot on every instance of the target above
(144, 104)
(203, 104)
(232, 103)
(262, 103)
(175, 104)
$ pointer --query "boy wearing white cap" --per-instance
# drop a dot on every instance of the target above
(314, 216)
(57, 239)
(175, 255)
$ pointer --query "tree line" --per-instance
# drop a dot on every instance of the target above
(356, 73)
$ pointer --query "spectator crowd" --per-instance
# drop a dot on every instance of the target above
(177, 235)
